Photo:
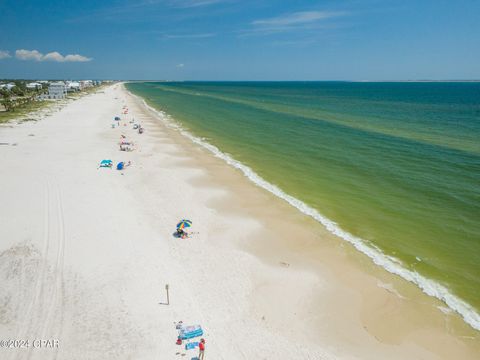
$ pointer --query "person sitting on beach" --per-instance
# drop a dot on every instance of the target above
(182, 233)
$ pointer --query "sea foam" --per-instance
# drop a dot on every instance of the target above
(389, 263)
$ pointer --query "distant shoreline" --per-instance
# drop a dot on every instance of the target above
(271, 81)
(306, 81)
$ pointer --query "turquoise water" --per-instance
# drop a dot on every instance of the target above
(394, 164)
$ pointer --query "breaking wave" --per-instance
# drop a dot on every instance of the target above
(389, 263)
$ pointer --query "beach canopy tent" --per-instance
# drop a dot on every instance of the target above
(117, 118)
(106, 163)
(190, 332)
(184, 224)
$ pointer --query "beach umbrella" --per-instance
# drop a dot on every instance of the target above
(117, 118)
(184, 224)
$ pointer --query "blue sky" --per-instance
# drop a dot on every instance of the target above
(240, 39)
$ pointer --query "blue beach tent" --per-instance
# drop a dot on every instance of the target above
(190, 332)
(106, 163)
(120, 165)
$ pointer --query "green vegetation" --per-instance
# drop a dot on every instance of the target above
(22, 111)
(19, 101)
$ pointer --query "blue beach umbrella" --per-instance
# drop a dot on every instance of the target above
(184, 224)
(117, 118)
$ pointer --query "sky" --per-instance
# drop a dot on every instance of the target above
(361, 40)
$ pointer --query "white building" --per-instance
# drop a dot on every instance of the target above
(86, 84)
(8, 86)
(73, 86)
(57, 90)
(34, 85)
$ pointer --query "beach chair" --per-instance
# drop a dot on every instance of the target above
(191, 345)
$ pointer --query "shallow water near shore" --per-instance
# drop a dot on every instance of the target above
(394, 168)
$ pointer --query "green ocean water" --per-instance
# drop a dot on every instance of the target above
(394, 164)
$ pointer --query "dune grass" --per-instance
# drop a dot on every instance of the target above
(26, 112)
(22, 112)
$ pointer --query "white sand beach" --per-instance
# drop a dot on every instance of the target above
(86, 252)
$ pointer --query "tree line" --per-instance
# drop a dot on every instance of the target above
(20, 95)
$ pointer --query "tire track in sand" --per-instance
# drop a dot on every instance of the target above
(43, 318)
(52, 325)
(33, 298)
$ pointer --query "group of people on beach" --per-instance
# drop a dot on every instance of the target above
(124, 144)
(188, 333)
(137, 127)
(128, 145)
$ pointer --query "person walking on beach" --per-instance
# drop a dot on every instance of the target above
(201, 347)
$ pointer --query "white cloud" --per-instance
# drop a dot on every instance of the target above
(189, 36)
(52, 56)
(77, 58)
(297, 21)
(301, 17)
(28, 55)
(4, 54)
(296, 43)
(180, 65)
(195, 3)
